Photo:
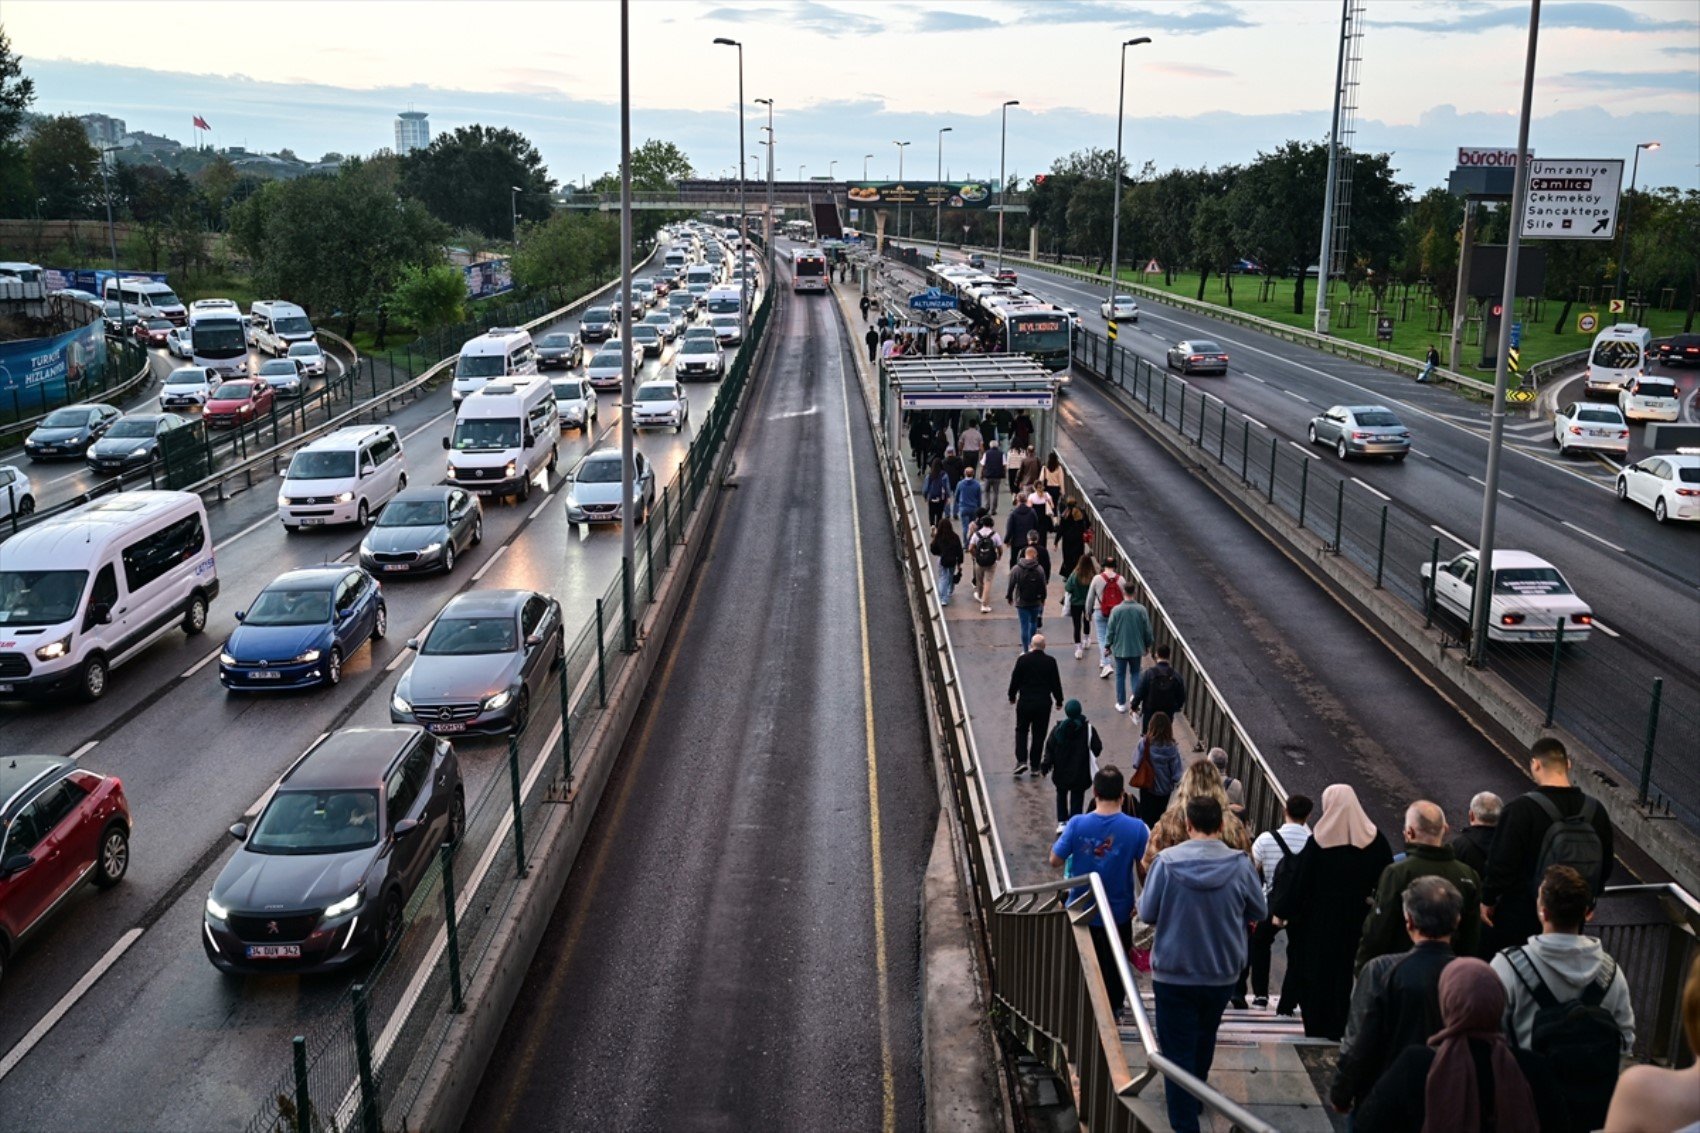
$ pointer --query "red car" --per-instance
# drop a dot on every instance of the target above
(153, 332)
(1006, 275)
(60, 825)
(238, 402)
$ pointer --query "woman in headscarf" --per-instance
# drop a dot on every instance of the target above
(1069, 752)
(1467, 1078)
(1325, 908)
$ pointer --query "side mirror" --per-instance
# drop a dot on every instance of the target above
(101, 613)
(239, 831)
(534, 641)
(241, 615)
(446, 445)
(412, 643)
(17, 863)
(405, 827)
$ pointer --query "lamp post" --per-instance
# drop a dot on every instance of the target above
(513, 209)
(1623, 247)
(111, 234)
(628, 528)
(743, 208)
(831, 166)
(865, 158)
(938, 209)
(901, 146)
(768, 102)
(1003, 147)
(1116, 175)
(800, 169)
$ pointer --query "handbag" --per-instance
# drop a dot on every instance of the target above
(1145, 775)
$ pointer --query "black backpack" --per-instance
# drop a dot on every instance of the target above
(1579, 1038)
(986, 550)
(1030, 586)
(1161, 696)
(1571, 840)
(1286, 876)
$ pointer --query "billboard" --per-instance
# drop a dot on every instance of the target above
(52, 370)
(488, 277)
(931, 194)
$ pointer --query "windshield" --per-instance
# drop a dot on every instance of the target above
(219, 339)
(40, 597)
(558, 341)
(1655, 389)
(606, 360)
(1617, 354)
(292, 324)
(160, 324)
(137, 427)
(304, 350)
(657, 320)
(1529, 582)
(316, 822)
(282, 607)
(323, 465)
(459, 637)
(1689, 475)
(724, 305)
(68, 418)
(412, 513)
(567, 390)
(599, 472)
(234, 391)
(597, 315)
(164, 297)
(655, 393)
(186, 378)
(1599, 416)
(483, 434)
(279, 366)
(643, 332)
(1378, 420)
(697, 346)
(481, 366)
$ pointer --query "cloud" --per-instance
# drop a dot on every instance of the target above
(822, 19)
(1188, 70)
(1191, 19)
(954, 21)
(1582, 14)
(1681, 50)
(1686, 81)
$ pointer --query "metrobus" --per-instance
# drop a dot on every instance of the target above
(808, 270)
(1032, 327)
(799, 229)
(217, 339)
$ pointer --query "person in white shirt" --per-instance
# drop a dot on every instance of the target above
(1266, 854)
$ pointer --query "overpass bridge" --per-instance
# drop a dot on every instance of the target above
(723, 195)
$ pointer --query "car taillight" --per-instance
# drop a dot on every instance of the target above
(1688, 491)
(1582, 619)
(1360, 436)
(1195, 358)
(1624, 435)
(1510, 619)
(1576, 429)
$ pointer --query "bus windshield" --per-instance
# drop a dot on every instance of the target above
(219, 338)
(1046, 337)
(481, 366)
(292, 324)
(486, 434)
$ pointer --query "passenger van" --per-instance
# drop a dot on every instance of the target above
(724, 301)
(343, 477)
(1619, 356)
(502, 435)
(276, 326)
(83, 592)
(702, 273)
(148, 298)
(676, 260)
(500, 352)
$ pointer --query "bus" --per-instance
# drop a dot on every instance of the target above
(799, 229)
(1032, 327)
(1618, 356)
(217, 339)
(808, 270)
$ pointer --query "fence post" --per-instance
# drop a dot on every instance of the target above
(649, 562)
(566, 724)
(601, 669)
(1272, 451)
(1203, 404)
(1245, 450)
(519, 811)
(1381, 547)
(1222, 437)
(666, 527)
(1552, 677)
(1304, 489)
(628, 594)
(1165, 403)
(1339, 512)
(457, 1003)
(1652, 733)
(370, 1120)
(303, 1100)
(1428, 591)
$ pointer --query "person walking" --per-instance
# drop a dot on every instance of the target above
(1159, 689)
(1426, 855)
(1128, 635)
(936, 490)
(992, 473)
(967, 501)
(1475, 841)
(872, 338)
(1051, 479)
(1325, 908)
(1077, 585)
(920, 439)
(1276, 851)
(1234, 787)
(1157, 767)
(1197, 781)
(1022, 431)
(1649, 1099)
(1106, 594)
(1027, 476)
(953, 466)
(866, 305)
(1110, 843)
(985, 547)
(1034, 685)
(1199, 896)
(1073, 530)
(1042, 553)
(1071, 753)
(1026, 592)
(1431, 361)
(970, 440)
(1013, 461)
(947, 549)
(1022, 522)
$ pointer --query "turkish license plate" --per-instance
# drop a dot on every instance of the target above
(395, 566)
(265, 675)
(439, 728)
(274, 952)
(313, 521)
(8, 688)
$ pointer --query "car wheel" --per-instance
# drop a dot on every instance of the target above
(457, 818)
(1312, 434)
(560, 653)
(333, 668)
(1659, 510)
(291, 528)
(478, 531)
(26, 506)
(449, 559)
(363, 515)
(114, 861)
(389, 925)
(524, 492)
(1623, 490)
(522, 713)
(1340, 448)
(195, 615)
(401, 482)
(1398, 457)
(554, 458)
(381, 623)
(91, 681)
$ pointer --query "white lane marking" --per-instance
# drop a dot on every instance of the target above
(488, 563)
(1479, 480)
(248, 530)
(1370, 490)
(1304, 449)
(1605, 629)
(345, 556)
(1255, 378)
(1449, 535)
(1298, 396)
(1254, 420)
(67, 1001)
(84, 750)
(428, 424)
(1422, 454)
(201, 664)
(399, 658)
(1595, 538)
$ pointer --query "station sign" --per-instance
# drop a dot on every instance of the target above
(1572, 198)
(932, 194)
(977, 399)
(1488, 157)
(932, 299)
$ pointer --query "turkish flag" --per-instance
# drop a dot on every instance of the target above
(201, 123)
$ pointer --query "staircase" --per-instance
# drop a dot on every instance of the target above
(827, 225)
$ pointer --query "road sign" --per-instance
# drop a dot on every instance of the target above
(1572, 198)
(1514, 360)
(1520, 395)
(1516, 334)
(1112, 330)
(932, 299)
(1152, 267)
(1615, 306)
(1384, 328)
(1588, 322)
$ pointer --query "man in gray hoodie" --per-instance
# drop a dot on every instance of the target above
(1199, 896)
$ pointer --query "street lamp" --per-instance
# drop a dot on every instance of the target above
(768, 102)
(628, 537)
(513, 208)
(111, 232)
(743, 209)
(938, 209)
(865, 158)
(800, 169)
(830, 167)
(1623, 248)
(1003, 179)
(1116, 176)
(901, 146)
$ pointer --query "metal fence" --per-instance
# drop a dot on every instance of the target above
(22, 409)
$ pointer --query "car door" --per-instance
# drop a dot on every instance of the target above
(1452, 585)
(1649, 484)
(1328, 429)
(535, 638)
(45, 830)
(347, 627)
(460, 520)
(10, 490)
(405, 795)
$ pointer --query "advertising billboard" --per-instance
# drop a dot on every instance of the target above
(930, 194)
(488, 277)
(51, 370)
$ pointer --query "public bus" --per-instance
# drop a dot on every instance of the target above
(1029, 326)
(799, 229)
(217, 339)
(808, 270)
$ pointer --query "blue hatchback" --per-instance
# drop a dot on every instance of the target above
(302, 627)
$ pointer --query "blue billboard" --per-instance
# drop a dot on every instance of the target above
(51, 371)
(488, 277)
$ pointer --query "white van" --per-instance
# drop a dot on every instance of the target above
(275, 326)
(83, 592)
(1619, 355)
(148, 298)
(676, 260)
(502, 435)
(343, 477)
(724, 301)
(500, 352)
(702, 273)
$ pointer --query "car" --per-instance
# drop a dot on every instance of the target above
(559, 350)
(486, 655)
(660, 404)
(1197, 356)
(179, 344)
(1121, 307)
(1649, 398)
(664, 325)
(69, 431)
(976, 260)
(593, 489)
(153, 332)
(1006, 275)
(1361, 430)
(120, 318)
(309, 356)
(699, 357)
(605, 368)
(133, 441)
(1591, 427)
(283, 375)
(1680, 350)
(423, 529)
(61, 825)
(699, 293)
(17, 493)
(302, 628)
(238, 402)
(728, 329)
(575, 402)
(322, 878)
(631, 307)
(1530, 600)
(188, 385)
(682, 305)
(705, 331)
(644, 289)
(1668, 483)
(648, 338)
(597, 324)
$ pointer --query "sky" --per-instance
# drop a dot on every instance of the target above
(1220, 80)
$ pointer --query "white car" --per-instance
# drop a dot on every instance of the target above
(727, 329)
(575, 402)
(17, 494)
(311, 358)
(604, 367)
(660, 404)
(1121, 307)
(1669, 484)
(594, 490)
(177, 342)
(190, 385)
(1530, 597)
(1594, 428)
(1649, 398)
(699, 357)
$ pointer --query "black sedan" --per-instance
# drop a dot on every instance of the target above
(1679, 350)
(487, 654)
(69, 431)
(133, 442)
(423, 529)
(1198, 356)
(559, 350)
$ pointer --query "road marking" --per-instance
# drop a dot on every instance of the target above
(84, 750)
(1605, 629)
(1298, 396)
(1372, 491)
(260, 803)
(1254, 420)
(67, 1001)
(1422, 454)
(1304, 449)
(248, 530)
(345, 556)
(1595, 538)
(201, 664)
(490, 562)
(396, 661)
(538, 510)
(1449, 535)
(427, 425)
(1255, 378)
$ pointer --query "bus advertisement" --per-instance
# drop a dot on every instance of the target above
(808, 270)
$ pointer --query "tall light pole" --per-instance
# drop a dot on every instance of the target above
(111, 234)
(1623, 247)
(800, 169)
(938, 209)
(743, 208)
(831, 166)
(628, 514)
(1326, 256)
(513, 208)
(768, 102)
(1003, 179)
(1116, 175)
(865, 158)
(901, 146)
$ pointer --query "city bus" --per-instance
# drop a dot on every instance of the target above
(808, 270)
(1028, 326)
(216, 336)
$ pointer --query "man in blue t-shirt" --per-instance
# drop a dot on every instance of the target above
(1110, 844)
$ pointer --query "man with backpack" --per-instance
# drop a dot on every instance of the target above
(1026, 591)
(1554, 824)
(1106, 594)
(1276, 854)
(985, 549)
(992, 473)
(1159, 689)
(1129, 634)
(1566, 1000)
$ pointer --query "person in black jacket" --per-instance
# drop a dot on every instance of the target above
(1022, 522)
(1157, 689)
(1069, 752)
(1034, 684)
(1475, 841)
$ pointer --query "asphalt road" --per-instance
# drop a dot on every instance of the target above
(716, 960)
(194, 760)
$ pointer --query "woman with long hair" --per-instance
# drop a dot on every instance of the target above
(937, 491)
(1200, 780)
(1157, 748)
(947, 548)
(1072, 526)
(1077, 585)
(1051, 479)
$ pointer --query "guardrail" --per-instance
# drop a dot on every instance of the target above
(127, 367)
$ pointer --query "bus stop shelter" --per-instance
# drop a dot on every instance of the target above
(978, 384)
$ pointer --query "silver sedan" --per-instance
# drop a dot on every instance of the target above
(1361, 430)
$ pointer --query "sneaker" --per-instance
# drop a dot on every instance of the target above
(1237, 1003)
(1079, 652)
(1121, 708)
(1260, 1002)
(985, 609)
(1104, 672)
(1020, 769)
(1037, 771)
(1060, 826)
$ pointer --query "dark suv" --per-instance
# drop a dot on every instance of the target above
(324, 873)
(1680, 350)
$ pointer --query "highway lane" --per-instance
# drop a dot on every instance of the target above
(716, 959)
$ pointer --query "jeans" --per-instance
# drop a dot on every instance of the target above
(947, 583)
(1107, 961)
(990, 489)
(1029, 616)
(1032, 721)
(1187, 1018)
(1127, 669)
(1101, 631)
(967, 518)
(1070, 802)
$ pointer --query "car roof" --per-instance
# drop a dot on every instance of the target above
(1356, 409)
(312, 577)
(486, 603)
(426, 492)
(1513, 559)
(350, 757)
(18, 772)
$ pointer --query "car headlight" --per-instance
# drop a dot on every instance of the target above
(308, 657)
(224, 658)
(500, 700)
(281, 500)
(344, 497)
(348, 904)
(511, 469)
(54, 650)
(452, 471)
(216, 911)
(397, 704)
(431, 548)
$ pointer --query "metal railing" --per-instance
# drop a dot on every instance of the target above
(127, 366)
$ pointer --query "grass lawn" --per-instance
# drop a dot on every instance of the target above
(1410, 337)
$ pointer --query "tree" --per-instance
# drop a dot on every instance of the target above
(64, 167)
(17, 92)
(1665, 245)
(658, 165)
(427, 297)
(1163, 208)
(1213, 238)
(573, 250)
(465, 179)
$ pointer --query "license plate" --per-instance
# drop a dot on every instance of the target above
(439, 728)
(395, 566)
(313, 521)
(265, 675)
(7, 688)
(274, 952)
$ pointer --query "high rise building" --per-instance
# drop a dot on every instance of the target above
(412, 131)
(103, 130)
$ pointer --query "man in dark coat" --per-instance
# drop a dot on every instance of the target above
(1426, 855)
(1069, 752)
(1022, 522)
(1475, 841)
(1034, 684)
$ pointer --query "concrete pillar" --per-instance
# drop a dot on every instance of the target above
(1461, 301)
